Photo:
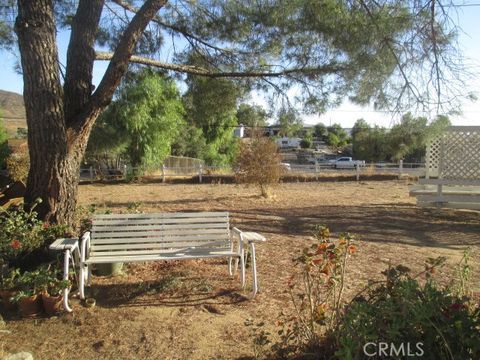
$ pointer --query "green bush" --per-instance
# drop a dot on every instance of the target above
(427, 318)
(306, 144)
(401, 316)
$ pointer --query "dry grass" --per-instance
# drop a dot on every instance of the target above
(193, 310)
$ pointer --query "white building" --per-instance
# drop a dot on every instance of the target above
(286, 142)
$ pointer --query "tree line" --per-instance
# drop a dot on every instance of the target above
(149, 119)
(406, 140)
(393, 54)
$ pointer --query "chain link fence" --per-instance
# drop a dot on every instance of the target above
(177, 167)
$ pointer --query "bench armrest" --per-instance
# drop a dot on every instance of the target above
(248, 237)
(84, 246)
(238, 236)
(62, 244)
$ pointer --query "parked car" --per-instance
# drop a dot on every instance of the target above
(346, 162)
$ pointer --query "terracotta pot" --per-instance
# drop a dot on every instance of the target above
(30, 305)
(7, 303)
(52, 304)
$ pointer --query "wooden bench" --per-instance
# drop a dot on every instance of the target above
(164, 236)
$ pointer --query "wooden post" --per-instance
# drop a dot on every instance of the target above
(163, 173)
(400, 166)
(91, 173)
(124, 172)
(357, 169)
(200, 170)
(316, 170)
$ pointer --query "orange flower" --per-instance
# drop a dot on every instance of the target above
(321, 248)
(15, 244)
(352, 249)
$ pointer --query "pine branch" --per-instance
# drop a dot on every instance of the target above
(333, 68)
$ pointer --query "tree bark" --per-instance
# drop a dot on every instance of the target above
(60, 118)
(43, 96)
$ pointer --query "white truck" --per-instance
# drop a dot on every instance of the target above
(346, 162)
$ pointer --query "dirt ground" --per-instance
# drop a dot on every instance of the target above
(194, 310)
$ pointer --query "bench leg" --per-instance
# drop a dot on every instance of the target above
(230, 266)
(66, 266)
(242, 268)
(235, 267)
(88, 275)
(254, 268)
(81, 282)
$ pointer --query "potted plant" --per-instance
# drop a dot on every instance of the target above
(28, 298)
(51, 290)
(52, 298)
(51, 287)
(8, 283)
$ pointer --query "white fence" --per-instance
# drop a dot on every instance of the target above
(200, 170)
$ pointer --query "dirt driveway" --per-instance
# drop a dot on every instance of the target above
(193, 310)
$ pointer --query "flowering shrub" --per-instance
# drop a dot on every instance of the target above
(316, 292)
(402, 311)
(20, 233)
(50, 233)
(405, 314)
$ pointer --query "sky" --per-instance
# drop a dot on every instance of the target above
(467, 18)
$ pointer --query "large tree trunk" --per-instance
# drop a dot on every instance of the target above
(43, 96)
(60, 118)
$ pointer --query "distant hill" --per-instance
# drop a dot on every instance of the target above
(12, 111)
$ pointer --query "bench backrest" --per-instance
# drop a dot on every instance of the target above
(149, 233)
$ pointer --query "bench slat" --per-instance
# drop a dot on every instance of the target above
(158, 245)
(222, 225)
(166, 252)
(453, 182)
(155, 241)
(172, 256)
(156, 232)
(161, 221)
(161, 239)
(162, 215)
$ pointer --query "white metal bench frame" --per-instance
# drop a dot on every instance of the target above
(193, 241)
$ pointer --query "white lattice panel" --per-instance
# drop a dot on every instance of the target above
(455, 155)
(433, 157)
